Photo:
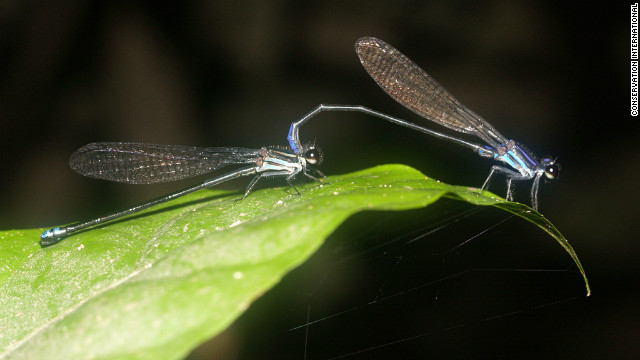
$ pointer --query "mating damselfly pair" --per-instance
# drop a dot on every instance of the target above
(397, 75)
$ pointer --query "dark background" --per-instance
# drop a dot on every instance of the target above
(552, 75)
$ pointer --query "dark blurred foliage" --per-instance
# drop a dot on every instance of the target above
(553, 75)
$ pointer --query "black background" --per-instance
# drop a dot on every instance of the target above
(553, 75)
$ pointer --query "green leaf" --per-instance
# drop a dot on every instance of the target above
(157, 285)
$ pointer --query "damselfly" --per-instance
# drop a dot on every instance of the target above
(136, 163)
(412, 87)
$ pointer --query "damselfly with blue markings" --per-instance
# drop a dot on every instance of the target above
(136, 163)
(412, 87)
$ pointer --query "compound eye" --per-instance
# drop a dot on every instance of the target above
(313, 156)
(551, 171)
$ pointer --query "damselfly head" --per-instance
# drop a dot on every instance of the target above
(313, 155)
(551, 168)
